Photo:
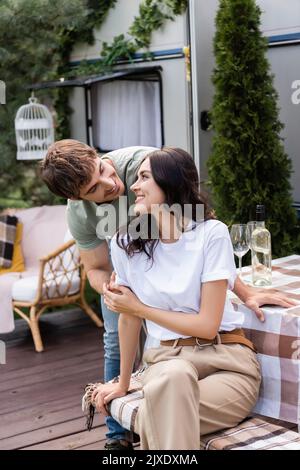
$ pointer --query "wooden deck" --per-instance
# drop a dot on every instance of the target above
(40, 405)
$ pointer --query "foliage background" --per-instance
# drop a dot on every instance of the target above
(248, 164)
(36, 40)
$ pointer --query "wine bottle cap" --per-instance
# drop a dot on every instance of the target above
(260, 213)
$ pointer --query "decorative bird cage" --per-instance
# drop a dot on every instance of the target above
(34, 130)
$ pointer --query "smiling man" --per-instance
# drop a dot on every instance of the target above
(93, 186)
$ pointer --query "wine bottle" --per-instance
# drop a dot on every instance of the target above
(261, 251)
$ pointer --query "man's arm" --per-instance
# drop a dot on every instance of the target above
(97, 265)
(254, 297)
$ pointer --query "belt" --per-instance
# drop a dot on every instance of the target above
(223, 337)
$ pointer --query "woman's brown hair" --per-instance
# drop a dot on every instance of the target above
(175, 172)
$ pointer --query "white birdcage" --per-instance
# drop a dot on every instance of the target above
(34, 130)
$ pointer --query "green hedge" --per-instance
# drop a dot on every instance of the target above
(248, 164)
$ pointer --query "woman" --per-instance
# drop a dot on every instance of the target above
(204, 375)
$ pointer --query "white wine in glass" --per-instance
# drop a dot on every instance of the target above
(239, 239)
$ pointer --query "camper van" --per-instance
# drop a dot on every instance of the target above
(165, 100)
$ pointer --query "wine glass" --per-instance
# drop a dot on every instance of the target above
(239, 238)
(251, 226)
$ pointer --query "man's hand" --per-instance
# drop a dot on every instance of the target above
(121, 299)
(255, 298)
(111, 285)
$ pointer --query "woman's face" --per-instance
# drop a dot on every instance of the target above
(147, 192)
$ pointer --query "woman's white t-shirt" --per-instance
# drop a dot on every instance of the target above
(173, 281)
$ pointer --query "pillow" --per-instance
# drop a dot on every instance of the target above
(17, 260)
(71, 257)
(7, 239)
(68, 260)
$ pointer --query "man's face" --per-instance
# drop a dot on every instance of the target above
(105, 185)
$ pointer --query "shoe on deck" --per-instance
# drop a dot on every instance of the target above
(115, 444)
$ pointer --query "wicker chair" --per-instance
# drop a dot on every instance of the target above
(61, 281)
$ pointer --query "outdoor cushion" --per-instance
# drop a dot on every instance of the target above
(17, 260)
(43, 232)
(8, 226)
(251, 434)
(69, 258)
(26, 289)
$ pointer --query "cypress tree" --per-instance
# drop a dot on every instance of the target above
(248, 164)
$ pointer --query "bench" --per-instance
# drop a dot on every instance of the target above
(254, 433)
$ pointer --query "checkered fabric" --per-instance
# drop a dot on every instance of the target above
(8, 226)
(278, 344)
(252, 434)
(124, 409)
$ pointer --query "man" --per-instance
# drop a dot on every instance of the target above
(94, 187)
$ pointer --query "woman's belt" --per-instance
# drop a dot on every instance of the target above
(223, 337)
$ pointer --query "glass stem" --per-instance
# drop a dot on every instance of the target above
(240, 266)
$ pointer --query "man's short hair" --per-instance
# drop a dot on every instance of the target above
(68, 165)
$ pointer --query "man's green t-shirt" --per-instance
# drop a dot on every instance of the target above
(84, 217)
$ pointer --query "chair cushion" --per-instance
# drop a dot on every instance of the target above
(251, 434)
(44, 229)
(17, 260)
(124, 409)
(8, 226)
(26, 289)
(69, 258)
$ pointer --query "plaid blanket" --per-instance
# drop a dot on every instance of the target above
(8, 226)
(277, 341)
(129, 403)
(251, 434)
(125, 409)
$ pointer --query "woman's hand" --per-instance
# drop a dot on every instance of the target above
(121, 299)
(258, 297)
(105, 393)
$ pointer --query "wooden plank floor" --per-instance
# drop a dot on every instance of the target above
(40, 393)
